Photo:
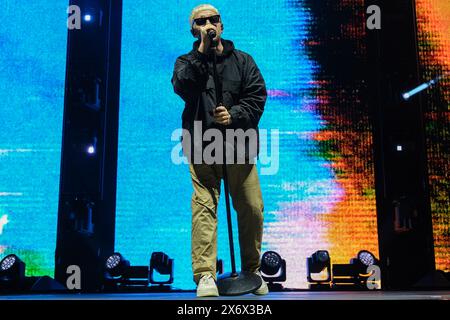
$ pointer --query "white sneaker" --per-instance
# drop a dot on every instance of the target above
(207, 287)
(263, 289)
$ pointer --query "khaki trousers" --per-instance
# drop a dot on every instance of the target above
(247, 200)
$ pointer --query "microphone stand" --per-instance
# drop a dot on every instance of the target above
(234, 283)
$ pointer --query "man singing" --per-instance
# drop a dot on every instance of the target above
(244, 97)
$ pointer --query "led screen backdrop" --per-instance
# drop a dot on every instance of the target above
(322, 195)
(33, 38)
(434, 53)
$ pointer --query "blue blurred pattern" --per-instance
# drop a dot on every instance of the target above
(32, 70)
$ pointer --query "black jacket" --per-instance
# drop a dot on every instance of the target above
(243, 88)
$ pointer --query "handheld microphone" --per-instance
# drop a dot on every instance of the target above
(212, 33)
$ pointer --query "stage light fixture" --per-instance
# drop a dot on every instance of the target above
(161, 263)
(355, 276)
(92, 148)
(318, 263)
(418, 89)
(12, 265)
(273, 269)
(116, 265)
(93, 16)
(13, 279)
(12, 272)
(423, 86)
(365, 259)
(120, 274)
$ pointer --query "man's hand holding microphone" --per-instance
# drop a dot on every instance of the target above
(208, 34)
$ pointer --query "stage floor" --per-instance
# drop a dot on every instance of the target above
(302, 296)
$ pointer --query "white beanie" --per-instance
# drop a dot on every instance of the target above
(200, 8)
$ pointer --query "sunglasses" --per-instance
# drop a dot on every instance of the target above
(202, 21)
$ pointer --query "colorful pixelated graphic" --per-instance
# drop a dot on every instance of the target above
(323, 194)
(434, 52)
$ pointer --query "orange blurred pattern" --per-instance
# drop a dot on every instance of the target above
(433, 21)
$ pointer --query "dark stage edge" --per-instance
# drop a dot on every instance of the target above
(300, 296)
